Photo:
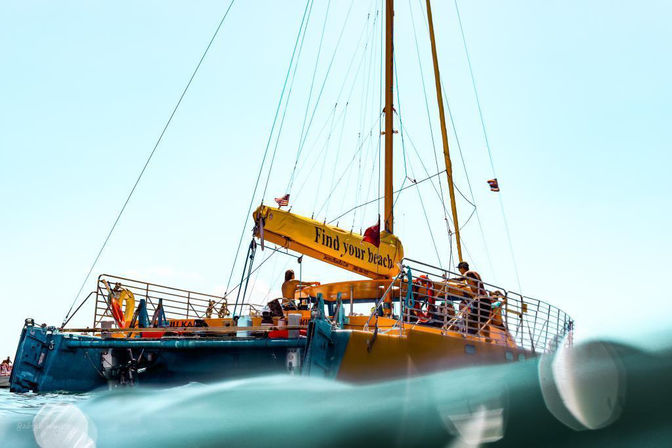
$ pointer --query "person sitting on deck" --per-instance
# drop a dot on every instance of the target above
(481, 305)
(289, 288)
(498, 300)
(475, 306)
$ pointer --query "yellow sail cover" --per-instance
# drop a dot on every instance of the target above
(329, 243)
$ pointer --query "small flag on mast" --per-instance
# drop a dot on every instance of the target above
(372, 234)
(283, 201)
(494, 185)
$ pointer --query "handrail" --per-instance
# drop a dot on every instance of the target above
(445, 300)
(177, 303)
(380, 301)
(222, 330)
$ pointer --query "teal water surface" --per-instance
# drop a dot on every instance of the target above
(597, 394)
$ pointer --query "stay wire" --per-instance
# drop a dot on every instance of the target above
(487, 142)
(414, 184)
(268, 143)
(403, 148)
(151, 154)
(347, 167)
(284, 110)
(401, 133)
(319, 95)
(310, 94)
(429, 116)
(273, 252)
(471, 191)
(367, 97)
(473, 84)
(327, 146)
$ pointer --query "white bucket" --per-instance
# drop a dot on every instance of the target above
(244, 321)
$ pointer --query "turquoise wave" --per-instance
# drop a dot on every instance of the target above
(597, 394)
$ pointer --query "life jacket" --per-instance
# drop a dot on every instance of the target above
(424, 287)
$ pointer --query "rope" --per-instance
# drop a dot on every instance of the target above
(151, 154)
(284, 110)
(324, 159)
(268, 143)
(424, 167)
(403, 148)
(471, 191)
(415, 184)
(347, 167)
(367, 96)
(303, 137)
(273, 252)
(429, 119)
(310, 94)
(487, 142)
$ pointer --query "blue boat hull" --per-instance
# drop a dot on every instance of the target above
(48, 361)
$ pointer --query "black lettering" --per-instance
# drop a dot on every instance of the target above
(345, 248)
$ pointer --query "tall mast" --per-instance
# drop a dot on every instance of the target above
(444, 132)
(389, 114)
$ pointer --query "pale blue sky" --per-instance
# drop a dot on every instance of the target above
(575, 95)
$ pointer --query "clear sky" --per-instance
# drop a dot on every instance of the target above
(575, 96)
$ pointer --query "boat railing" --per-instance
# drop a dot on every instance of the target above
(474, 308)
(180, 304)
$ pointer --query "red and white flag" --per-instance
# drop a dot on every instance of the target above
(283, 201)
(372, 234)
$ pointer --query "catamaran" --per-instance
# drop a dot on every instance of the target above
(418, 317)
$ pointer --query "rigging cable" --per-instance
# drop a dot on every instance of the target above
(284, 110)
(310, 92)
(268, 143)
(459, 147)
(403, 148)
(348, 98)
(367, 96)
(347, 167)
(487, 143)
(268, 257)
(471, 191)
(324, 159)
(431, 128)
(415, 184)
(319, 95)
(151, 154)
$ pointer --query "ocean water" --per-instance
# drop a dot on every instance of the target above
(597, 394)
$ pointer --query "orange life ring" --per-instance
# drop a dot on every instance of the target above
(118, 296)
